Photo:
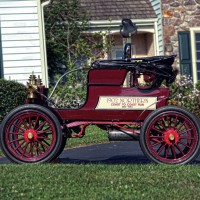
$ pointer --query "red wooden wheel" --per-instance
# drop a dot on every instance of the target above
(31, 134)
(170, 135)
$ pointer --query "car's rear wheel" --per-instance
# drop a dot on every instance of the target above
(170, 135)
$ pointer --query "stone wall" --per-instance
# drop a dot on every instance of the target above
(178, 15)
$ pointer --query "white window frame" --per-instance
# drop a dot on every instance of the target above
(193, 53)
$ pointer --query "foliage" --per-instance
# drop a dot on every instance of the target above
(198, 85)
(12, 95)
(70, 92)
(68, 42)
(99, 181)
(64, 23)
(185, 94)
(70, 45)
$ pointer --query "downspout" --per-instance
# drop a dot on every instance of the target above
(44, 42)
(46, 3)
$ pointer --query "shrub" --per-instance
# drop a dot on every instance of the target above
(12, 95)
(71, 91)
(198, 85)
(186, 95)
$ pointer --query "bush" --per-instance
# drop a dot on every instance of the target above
(71, 90)
(183, 93)
(12, 95)
(198, 85)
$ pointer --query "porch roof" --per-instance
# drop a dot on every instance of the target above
(118, 9)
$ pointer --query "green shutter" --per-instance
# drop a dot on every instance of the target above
(185, 53)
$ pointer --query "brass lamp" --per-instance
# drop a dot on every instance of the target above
(32, 85)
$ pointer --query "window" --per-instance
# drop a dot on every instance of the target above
(185, 53)
(118, 51)
(197, 45)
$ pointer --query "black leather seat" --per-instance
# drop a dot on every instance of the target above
(165, 60)
(128, 28)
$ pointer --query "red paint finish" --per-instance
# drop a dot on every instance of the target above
(107, 76)
(79, 123)
(88, 111)
(172, 138)
(30, 136)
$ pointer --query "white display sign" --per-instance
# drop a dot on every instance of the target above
(126, 103)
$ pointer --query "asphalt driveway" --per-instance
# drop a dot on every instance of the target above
(109, 153)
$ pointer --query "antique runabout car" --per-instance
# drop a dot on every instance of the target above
(118, 102)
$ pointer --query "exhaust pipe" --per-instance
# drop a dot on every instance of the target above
(122, 135)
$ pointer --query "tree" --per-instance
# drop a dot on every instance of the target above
(64, 23)
(69, 44)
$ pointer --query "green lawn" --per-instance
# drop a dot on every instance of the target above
(93, 182)
(93, 135)
(98, 181)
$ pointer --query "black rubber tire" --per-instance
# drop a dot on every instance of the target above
(151, 119)
(41, 111)
(62, 146)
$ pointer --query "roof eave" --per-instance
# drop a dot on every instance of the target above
(115, 22)
(144, 25)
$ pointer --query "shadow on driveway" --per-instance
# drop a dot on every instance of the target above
(109, 153)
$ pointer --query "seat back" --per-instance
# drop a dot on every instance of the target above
(128, 28)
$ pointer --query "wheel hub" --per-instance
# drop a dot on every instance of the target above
(30, 135)
(171, 137)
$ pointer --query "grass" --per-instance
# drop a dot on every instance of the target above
(95, 182)
(93, 135)
(98, 181)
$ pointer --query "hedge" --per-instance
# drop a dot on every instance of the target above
(12, 94)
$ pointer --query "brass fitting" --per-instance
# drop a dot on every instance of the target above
(172, 102)
(32, 85)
